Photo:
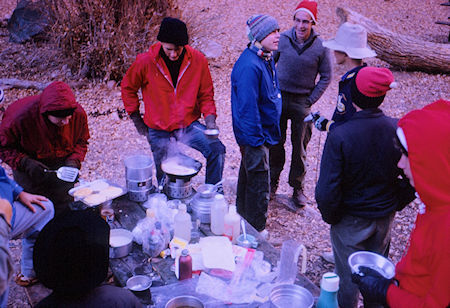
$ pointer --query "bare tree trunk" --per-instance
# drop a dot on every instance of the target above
(403, 51)
(8, 83)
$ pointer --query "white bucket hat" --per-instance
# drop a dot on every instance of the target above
(351, 39)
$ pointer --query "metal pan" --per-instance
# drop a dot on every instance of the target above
(181, 160)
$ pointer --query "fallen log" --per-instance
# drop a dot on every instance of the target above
(403, 51)
(8, 83)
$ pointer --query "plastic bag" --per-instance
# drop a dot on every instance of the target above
(151, 234)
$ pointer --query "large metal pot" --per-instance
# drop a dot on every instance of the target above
(184, 301)
(120, 243)
(290, 295)
(138, 171)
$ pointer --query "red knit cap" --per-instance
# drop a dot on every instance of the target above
(309, 7)
(370, 86)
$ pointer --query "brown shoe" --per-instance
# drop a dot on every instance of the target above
(299, 198)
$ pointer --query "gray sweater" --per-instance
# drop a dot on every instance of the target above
(297, 73)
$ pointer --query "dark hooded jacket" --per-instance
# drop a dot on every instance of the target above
(423, 273)
(26, 131)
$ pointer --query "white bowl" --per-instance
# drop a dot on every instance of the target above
(372, 260)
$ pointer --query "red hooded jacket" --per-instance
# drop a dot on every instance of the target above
(168, 108)
(424, 272)
(25, 131)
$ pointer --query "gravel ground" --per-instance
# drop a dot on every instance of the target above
(114, 138)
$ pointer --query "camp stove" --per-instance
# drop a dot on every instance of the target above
(179, 169)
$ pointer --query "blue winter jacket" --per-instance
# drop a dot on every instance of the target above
(9, 189)
(255, 100)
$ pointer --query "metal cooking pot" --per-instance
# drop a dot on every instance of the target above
(182, 160)
(120, 243)
(184, 301)
(290, 295)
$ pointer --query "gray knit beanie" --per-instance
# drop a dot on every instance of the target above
(259, 26)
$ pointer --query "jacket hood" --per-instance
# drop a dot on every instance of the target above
(427, 133)
(57, 96)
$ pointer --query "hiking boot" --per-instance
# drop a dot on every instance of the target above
(298, 197)
(328, 256)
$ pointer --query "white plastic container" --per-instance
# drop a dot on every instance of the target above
(218, 211)
(182, 223)
(232, 224)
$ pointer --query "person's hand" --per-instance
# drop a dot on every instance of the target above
(373, 285)
(28, 200)
(6, 210)
(210, 121)
(141, 128)
(321, 123)
(34, 169)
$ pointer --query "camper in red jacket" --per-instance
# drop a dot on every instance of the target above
(41, 132)
(177, 90)
(422, 275)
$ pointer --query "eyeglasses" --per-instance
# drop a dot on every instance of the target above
(399, 146)
(302, 21)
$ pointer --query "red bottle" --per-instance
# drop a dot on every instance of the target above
(185, 265)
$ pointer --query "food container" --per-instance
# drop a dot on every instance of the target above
(96, 192)
(120, 243)
(372, 260)
(184, 301)
(290, 295)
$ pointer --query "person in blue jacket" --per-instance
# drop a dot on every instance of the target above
(256, 110)
(22, 215)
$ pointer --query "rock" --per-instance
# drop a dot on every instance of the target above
(29, 19)
(111, 84)
(212, 50)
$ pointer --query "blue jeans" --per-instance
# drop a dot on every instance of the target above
(212, 149)
(4, 298)
(27, 225)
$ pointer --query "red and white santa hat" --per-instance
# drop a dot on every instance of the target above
(309, 7)
(370, 85)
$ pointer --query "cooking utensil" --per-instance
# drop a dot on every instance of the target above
(372, 260)
(290, 295)
(182, 160)
(67, 174)
(245, 241)
(211, 188)
(120, 243)
(139, 283)
(184, 301)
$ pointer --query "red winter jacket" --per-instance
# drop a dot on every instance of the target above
(167, 108)
(424, 272)
(25, 131)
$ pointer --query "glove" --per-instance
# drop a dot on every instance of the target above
(71, 163)
(373, 285)
(141, 128)
(34, 169)
(210, 121)
(321, 123)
